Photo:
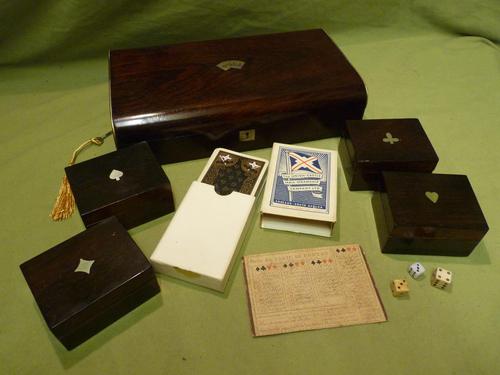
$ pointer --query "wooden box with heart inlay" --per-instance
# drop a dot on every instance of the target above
(424, 213)
(371, 146)
(244, 93)
(86, 283)
(127, 183)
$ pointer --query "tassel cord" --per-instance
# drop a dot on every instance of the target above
(64, 205)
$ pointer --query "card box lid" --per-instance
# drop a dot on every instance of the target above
(390, 144)
(179, 90)
(67, 297)
(141, 194)
(410, 210)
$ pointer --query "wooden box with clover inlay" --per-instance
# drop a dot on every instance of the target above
(127, 183)
(245, 93)
(425, 213)
(371, 146)
(86, 283)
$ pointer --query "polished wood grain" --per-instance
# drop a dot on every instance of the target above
(179, 100)
(142, 194)
(409, 222)
(77, 305)
(364, 153)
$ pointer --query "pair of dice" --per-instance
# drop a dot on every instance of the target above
(441, 278)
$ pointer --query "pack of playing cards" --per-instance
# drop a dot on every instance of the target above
(203, 238)
(301, 190)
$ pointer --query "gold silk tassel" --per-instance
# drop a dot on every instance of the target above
(65, 201)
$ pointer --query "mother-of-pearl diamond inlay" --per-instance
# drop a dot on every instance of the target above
(84, 266)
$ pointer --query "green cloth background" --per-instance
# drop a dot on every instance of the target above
(435, 60)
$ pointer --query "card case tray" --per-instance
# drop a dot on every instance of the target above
(203, 238)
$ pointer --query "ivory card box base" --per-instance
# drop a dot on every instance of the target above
(202, 240)
(301, 190)
(86, 283)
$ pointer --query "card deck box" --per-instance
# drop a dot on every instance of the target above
(424, 213)
(202, 241)
(127, 183)
(301, 190)
(371, 146)
(87, 282)
(241, 94)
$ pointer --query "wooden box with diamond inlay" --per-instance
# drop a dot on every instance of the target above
(128, 183)
(86, 283)
(371, 146)
(425, 213)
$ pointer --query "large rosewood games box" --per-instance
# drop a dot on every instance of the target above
(242, 93)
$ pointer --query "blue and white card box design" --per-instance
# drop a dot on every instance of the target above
(301, 190)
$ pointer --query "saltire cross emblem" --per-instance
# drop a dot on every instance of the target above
(304, 162)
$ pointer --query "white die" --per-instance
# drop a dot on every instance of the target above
(416, 270)
(441, 278)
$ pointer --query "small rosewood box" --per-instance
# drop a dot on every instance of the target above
(245, 93)
(424, 213)
(371, 146)
(87, 282)
(128, 183)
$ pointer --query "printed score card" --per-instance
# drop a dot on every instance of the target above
(309, 289)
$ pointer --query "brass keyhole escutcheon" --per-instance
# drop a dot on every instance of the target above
(247, 135)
